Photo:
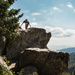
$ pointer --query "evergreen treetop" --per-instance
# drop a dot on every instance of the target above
(8, 19)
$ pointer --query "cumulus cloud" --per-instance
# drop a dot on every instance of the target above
(61, 38)
(69, 5)
(34, 24)
(60, 32)
(60, 43)
(34, 14)
(55, 8)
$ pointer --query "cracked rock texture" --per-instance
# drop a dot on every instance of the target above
(33, 38)
(47, 62)
(30, 53)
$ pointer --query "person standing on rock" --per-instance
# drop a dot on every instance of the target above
(26, 24)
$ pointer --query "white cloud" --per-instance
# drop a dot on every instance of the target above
(57, 9)
(60, 32)
(34, 24)
(36, 14)
(69, 5)
(61, 38)
(59, 43)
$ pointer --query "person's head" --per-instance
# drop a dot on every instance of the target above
(26, 20)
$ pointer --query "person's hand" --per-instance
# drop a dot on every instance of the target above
(20, 26)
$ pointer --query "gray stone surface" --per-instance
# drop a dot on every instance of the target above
(30, 48)
(29, 70)
(47, 62)
(34, 37)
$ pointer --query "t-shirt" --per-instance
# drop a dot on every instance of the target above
(26, 22)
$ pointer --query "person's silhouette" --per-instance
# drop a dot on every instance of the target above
(26, 24)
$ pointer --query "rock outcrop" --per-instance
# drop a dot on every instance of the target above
(47, 62)
(33, 38)
(29, 50)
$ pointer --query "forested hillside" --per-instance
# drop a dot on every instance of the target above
(72, 60)
(71, 66)
(69, 50)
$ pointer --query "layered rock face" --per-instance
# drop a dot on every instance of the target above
(47, 62)
(30, 49)
(34, 37)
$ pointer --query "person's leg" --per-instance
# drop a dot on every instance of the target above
(26, 26)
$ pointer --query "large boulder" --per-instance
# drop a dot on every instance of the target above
(46, 61)
(34, 37)
(30, 49)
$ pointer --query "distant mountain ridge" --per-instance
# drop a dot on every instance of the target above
(69, 50)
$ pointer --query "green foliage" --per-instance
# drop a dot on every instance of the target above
(72, 60)
(71, 65)
(4, 71)
(34, 73)
(65, 73)
(5, 59)
(8, 19)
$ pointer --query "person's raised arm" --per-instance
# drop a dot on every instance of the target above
(21, 24)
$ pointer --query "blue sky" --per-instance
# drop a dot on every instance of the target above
(56, 16)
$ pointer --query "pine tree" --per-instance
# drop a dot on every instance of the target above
(8, 20)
